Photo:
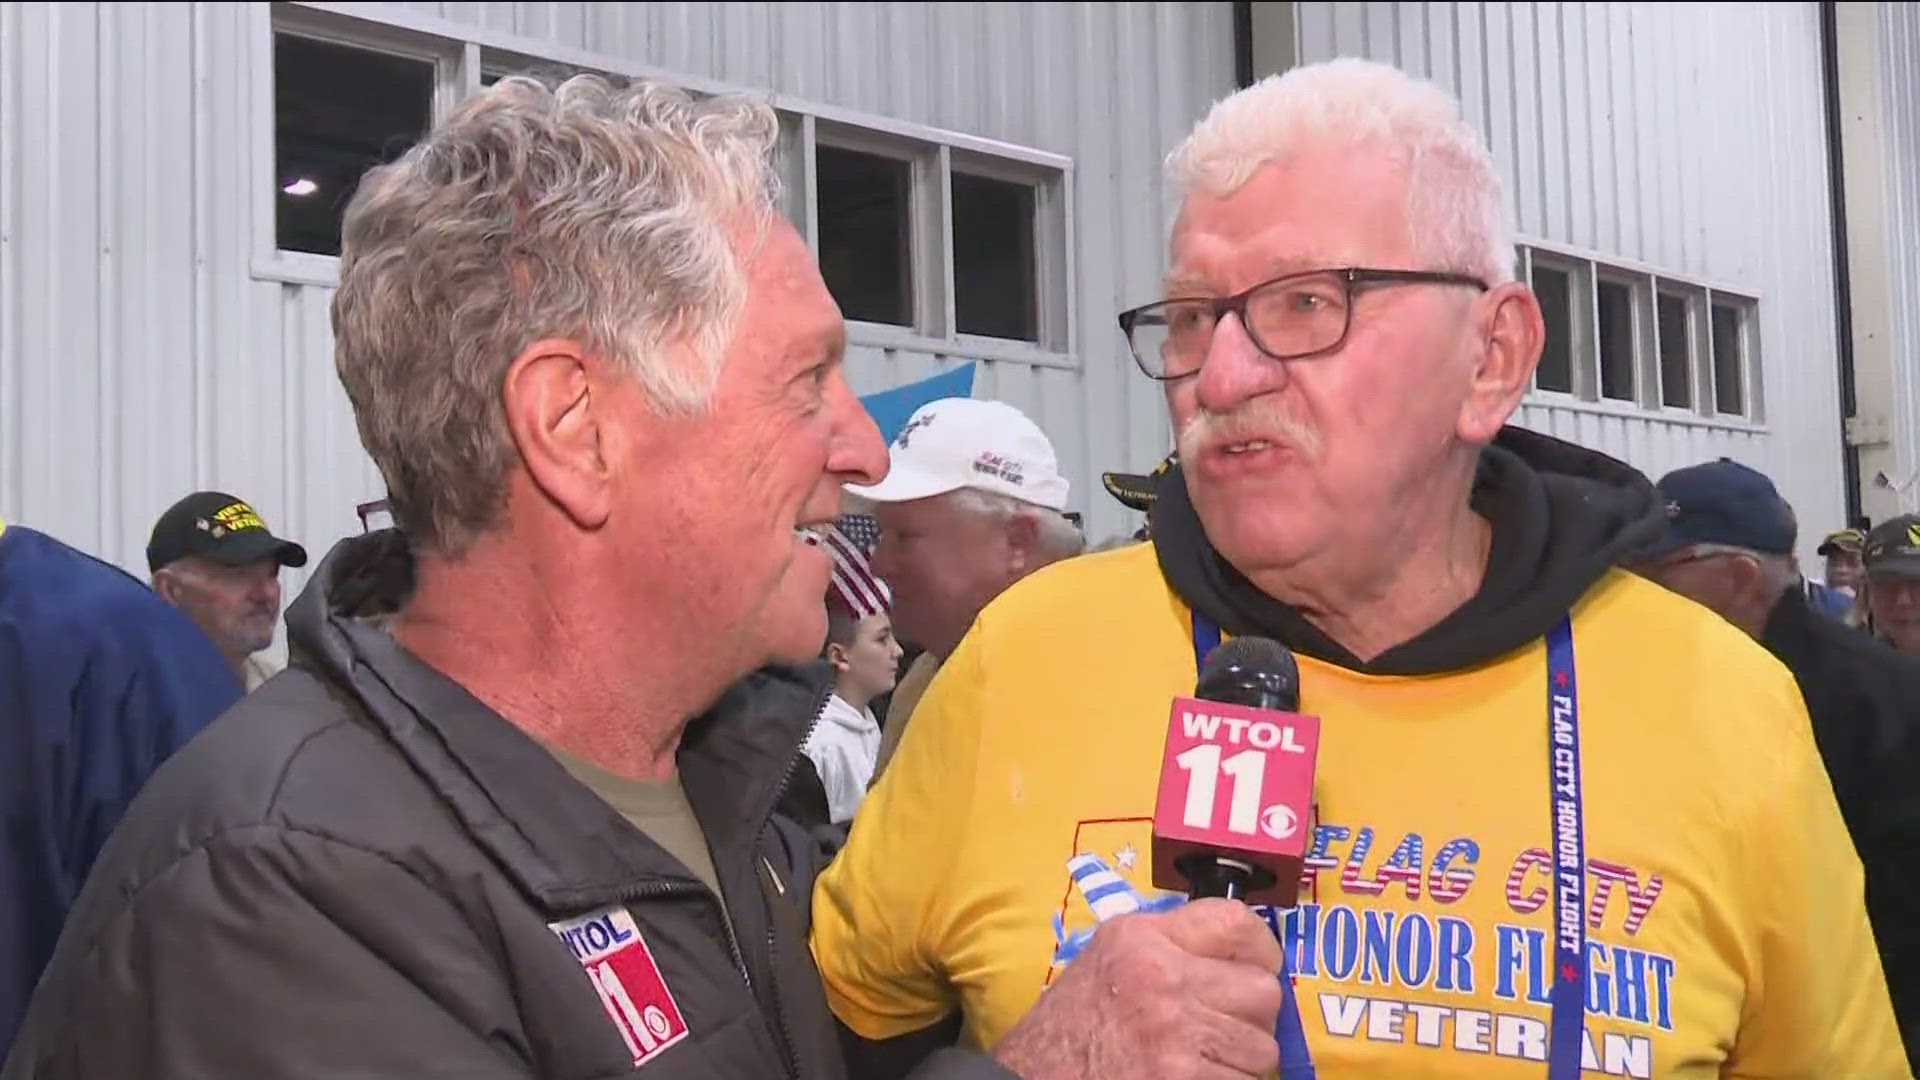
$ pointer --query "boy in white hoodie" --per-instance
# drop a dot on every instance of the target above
(846, 742)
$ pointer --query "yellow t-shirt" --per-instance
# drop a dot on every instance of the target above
(1727, 931)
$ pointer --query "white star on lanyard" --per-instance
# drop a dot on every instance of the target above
(1125, 857)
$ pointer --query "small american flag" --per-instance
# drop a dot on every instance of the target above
(862, 529)
(850, 542)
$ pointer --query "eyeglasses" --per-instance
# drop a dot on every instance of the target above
(1288, 318)
(377, 514)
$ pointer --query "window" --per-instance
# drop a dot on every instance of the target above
(994, 275)
(338, 111)
(1555, 290)
(1729, 373)
(1633, 335)
(1616, 339)
(1676, 351)
(865, 215)
(933, 242)
(963, 249)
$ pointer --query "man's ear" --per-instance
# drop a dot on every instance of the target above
(1511, 340)
(1023, 541)
(167, 586)
(554, 397)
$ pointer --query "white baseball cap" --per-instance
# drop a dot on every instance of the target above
(959, 443)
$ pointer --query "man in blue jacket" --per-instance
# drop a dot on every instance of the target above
(100, 681)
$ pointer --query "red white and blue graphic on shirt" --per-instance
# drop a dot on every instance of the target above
(1373, 969)
(627, 978)
(1379, 956)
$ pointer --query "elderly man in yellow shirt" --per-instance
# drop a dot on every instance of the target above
(1341, 343)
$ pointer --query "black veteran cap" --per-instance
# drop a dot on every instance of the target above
(1893, 546)
(219, 527)
(1843, 540)
(1136, 491)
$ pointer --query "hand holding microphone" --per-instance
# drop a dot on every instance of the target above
(1181, 995)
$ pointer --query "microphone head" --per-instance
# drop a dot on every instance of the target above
(1254, 671)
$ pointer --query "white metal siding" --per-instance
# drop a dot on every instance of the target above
(138, 359)
(1688, 137)
(1899, 49)
(141, 359)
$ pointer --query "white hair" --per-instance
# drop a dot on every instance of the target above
(1778, 572)
(582, 210)
(1454, 206)
(1059, 538)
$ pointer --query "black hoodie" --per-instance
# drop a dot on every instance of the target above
(1561, 516)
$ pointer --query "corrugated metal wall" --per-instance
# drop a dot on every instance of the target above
(141, 358)
(1899, 47)
(1688, 137)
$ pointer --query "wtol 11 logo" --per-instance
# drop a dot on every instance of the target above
(627, 979)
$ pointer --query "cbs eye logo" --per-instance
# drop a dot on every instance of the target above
(1279, 821)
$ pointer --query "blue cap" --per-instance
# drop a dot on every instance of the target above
(1724, 502)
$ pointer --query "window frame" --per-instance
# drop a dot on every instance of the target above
(1583, 377)
(1747, 309)
(1051, 244)
(924, 240)
(462, 54)
(1637, 319)
(269, 261)
(1648, 283)
(1690, 310)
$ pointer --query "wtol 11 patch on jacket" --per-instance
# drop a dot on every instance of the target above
(627, 977)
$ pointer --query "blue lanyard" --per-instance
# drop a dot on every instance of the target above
(1567, 997)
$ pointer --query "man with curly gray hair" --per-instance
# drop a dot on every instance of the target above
(509, 812)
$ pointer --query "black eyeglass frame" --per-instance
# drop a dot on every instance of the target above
(1236, 305)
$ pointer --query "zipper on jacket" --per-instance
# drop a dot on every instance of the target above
(773, 959)
(656, 890)
(793, 760)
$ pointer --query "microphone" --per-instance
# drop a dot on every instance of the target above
(1236, 779)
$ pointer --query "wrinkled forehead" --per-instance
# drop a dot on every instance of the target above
(1320, 208)
(789, 321)
(781, 269)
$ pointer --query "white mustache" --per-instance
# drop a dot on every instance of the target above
(1261, 418)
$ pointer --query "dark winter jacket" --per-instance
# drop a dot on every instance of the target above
(363, 871)
(1864, 700)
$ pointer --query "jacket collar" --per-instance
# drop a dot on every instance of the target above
(562, 844)
(1792, 623)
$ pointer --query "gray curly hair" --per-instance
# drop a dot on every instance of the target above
(581, 210)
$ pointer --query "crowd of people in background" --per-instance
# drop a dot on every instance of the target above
(566, 693)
